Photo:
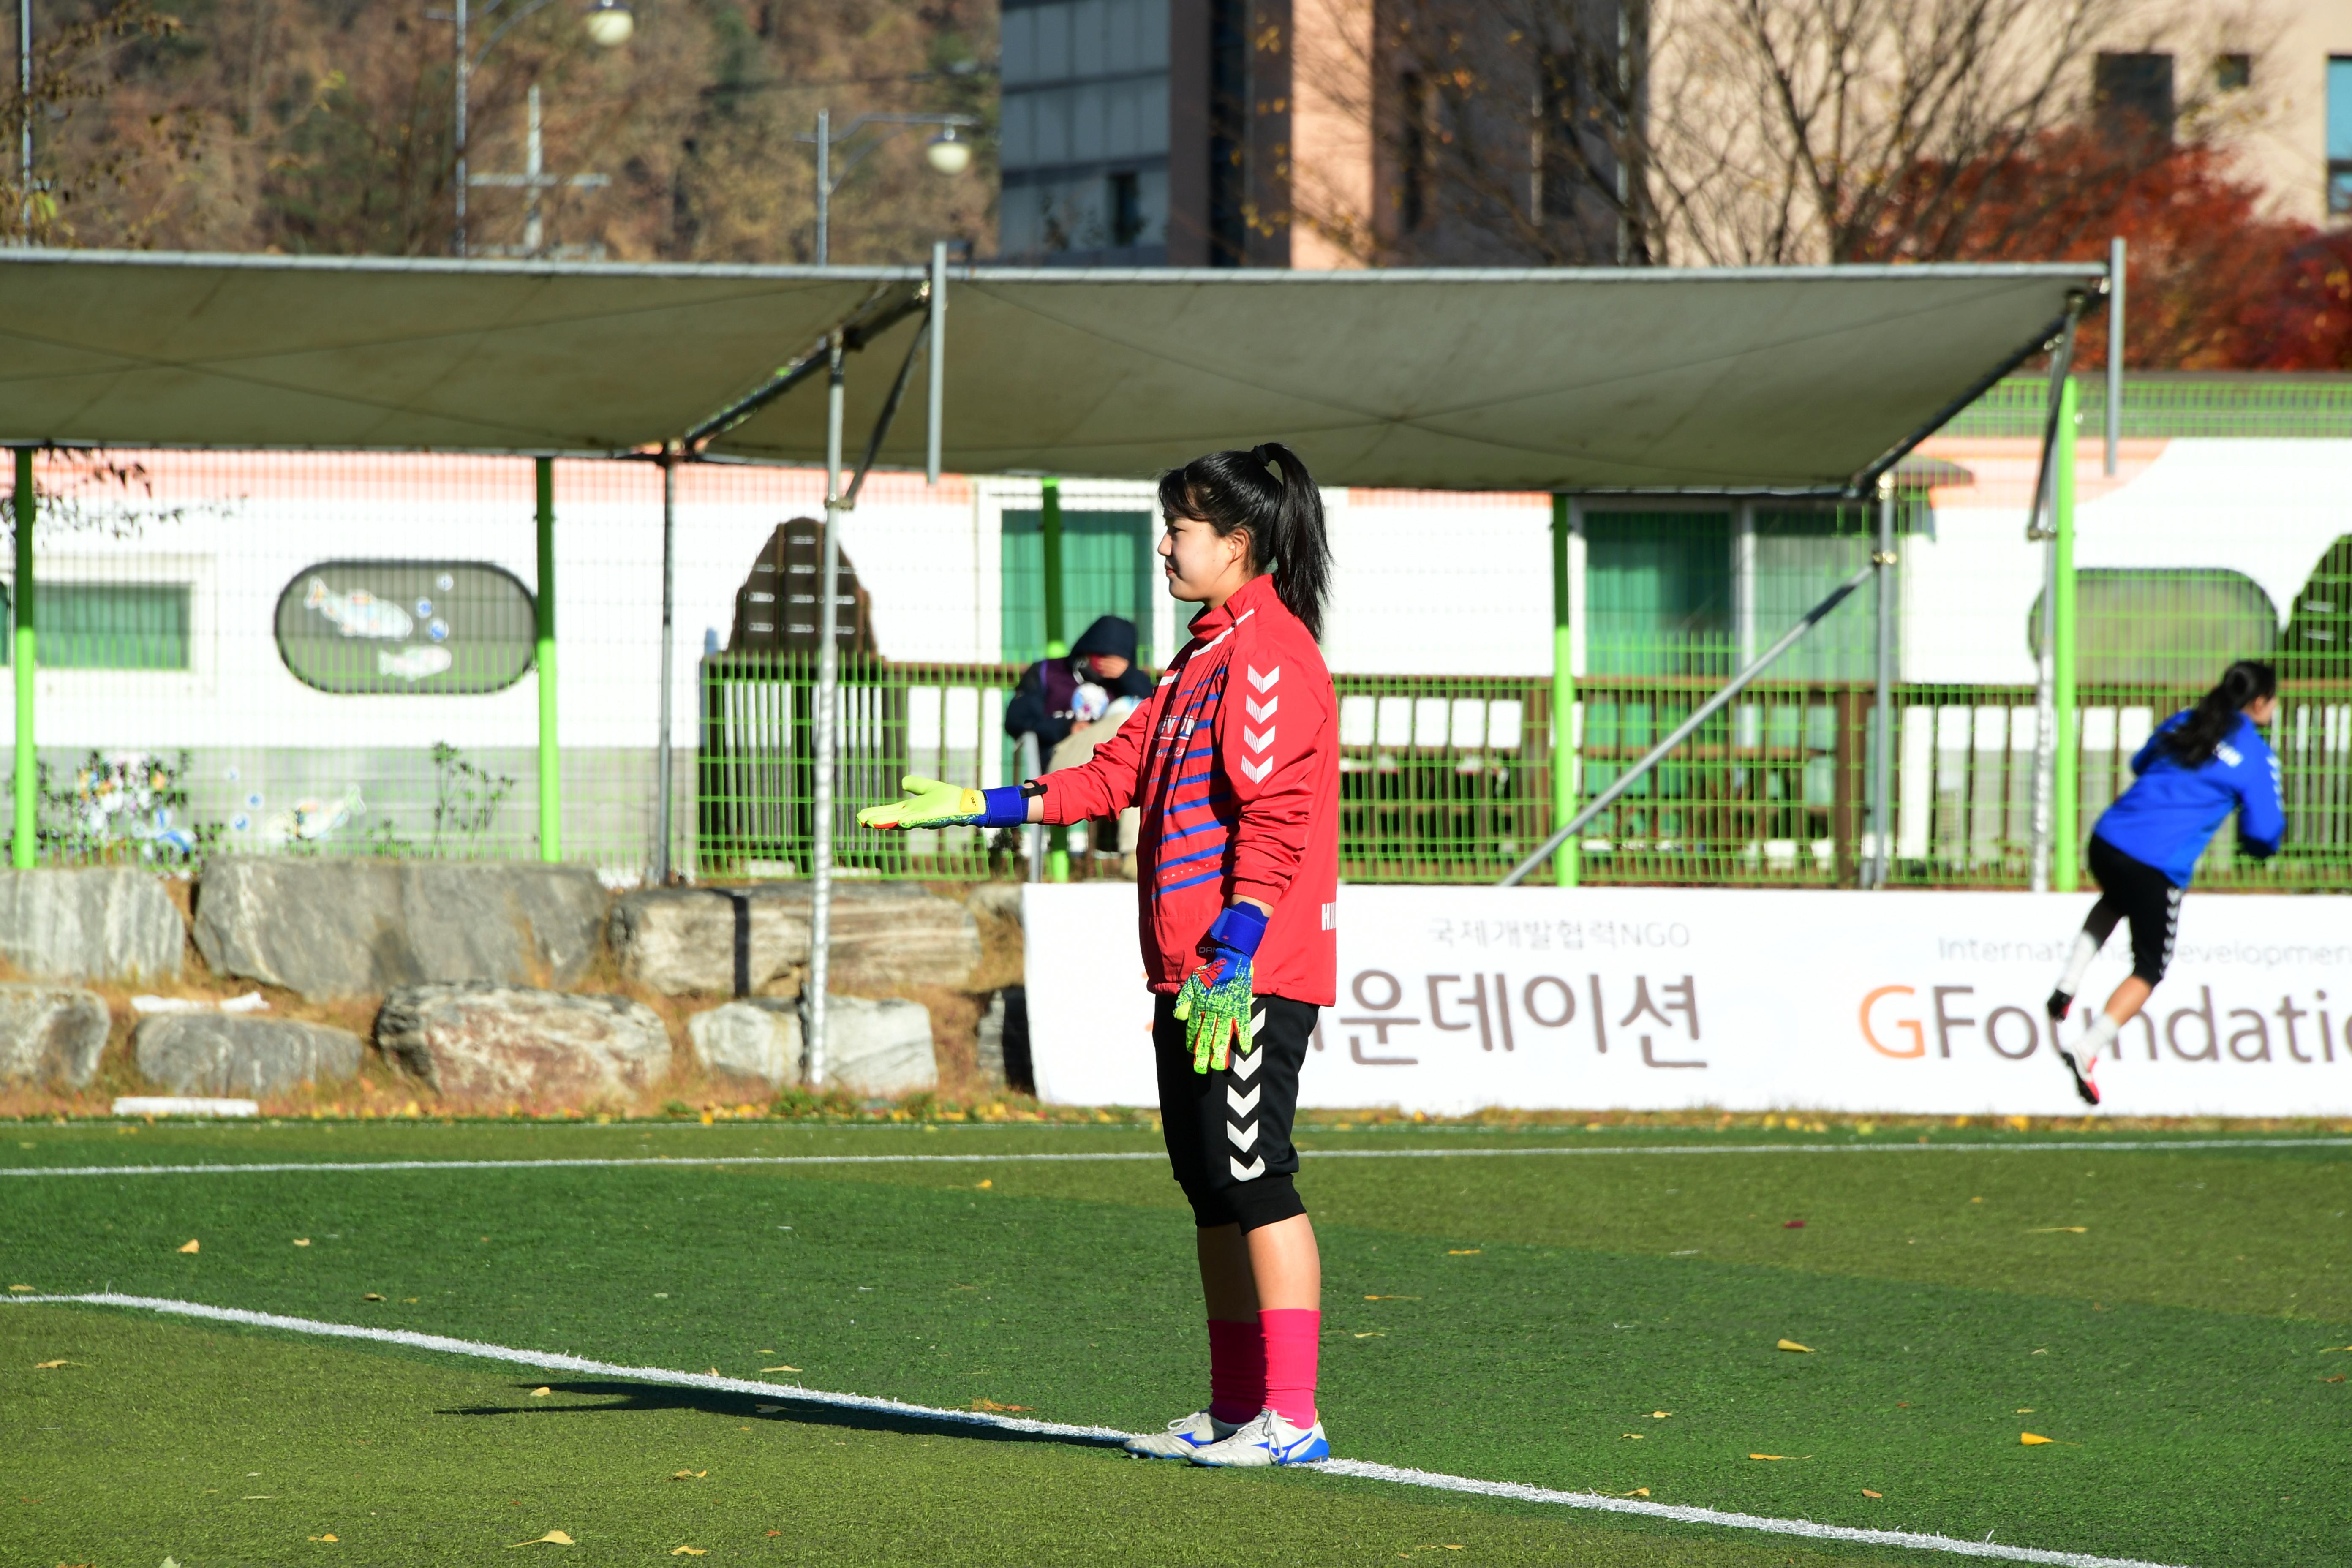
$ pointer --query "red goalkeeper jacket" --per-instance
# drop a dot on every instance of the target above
(1235, 764)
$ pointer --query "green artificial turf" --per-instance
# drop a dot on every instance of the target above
(1534, 1311)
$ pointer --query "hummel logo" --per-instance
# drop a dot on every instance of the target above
(1255, 741)
(1250, 1172)
(1241, 1104)
(1262, 682)
(1245, 1067)
(1242, 1136)
(1258, 770)
(1261, 712)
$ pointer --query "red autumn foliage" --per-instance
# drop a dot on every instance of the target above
(2212, 284)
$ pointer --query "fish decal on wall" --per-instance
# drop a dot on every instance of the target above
(360, 613)
(414, 663)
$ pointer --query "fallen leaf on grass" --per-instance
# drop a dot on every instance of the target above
(1371, 1334)
(2025, 1410)
(328, 1537)
(1660, 1414)
(194, 1246)
(1792, 1225)
(713, 1371)
(1391, 1298)
(688, 1475)
(372, 1296)
(1793, 1345)
(552, 1537)
(542, 1392)
(51, 1365)
(2337, 1378)
(2043, 1351)
(1767, 1456)
(2033, 1439)
(2323, 1350)
(2054, 1229)
(1464, 1251)
(689, 1552)
(779, 1368)
(20, 1286)
(301, 1241)
(991, 1405)
(1637, 1491)
(1867, 1492)
(985, 1185)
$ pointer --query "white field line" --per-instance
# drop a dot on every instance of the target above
(1353, 1467)
(1106, 1155)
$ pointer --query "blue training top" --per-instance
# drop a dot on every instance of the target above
(2171, 810)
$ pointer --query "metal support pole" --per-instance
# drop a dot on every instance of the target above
(27, 783)
(1563, 696)
(2066, 842)
(828, 702)
(2045, 705)
(1682, 731)
(669, 652)
(550, 765)
(823, 182)
(465, 78)
(1881, 740)
(939, 364)
(2115, 349)
(25, 97)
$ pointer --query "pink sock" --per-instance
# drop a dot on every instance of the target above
(1292, 1336)
(1236, 1371)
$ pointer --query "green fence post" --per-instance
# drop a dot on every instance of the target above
(28, 771)
(550, 765)
(2065, 848)
(1049, 528)
(1563, 698)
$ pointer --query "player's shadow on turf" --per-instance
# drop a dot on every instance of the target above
(630, 1398)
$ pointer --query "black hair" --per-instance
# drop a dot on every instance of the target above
(2216, 714)
(1267, 491)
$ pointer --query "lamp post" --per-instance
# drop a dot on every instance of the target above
(608, 24)
(948, 154)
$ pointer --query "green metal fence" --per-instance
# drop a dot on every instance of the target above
(1448, 780)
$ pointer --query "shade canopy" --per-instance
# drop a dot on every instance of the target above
(1792, 379)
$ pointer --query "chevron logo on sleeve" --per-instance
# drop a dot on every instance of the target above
(1261, 712)
(1264, 682)
(1241, 1120)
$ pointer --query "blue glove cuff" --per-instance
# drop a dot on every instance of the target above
(1007, 807)
(1241, 928)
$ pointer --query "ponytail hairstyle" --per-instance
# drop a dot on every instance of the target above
(2216, 714)
(1267, 492)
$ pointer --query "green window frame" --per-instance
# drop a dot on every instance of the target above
(106, 625)
(1109, 567)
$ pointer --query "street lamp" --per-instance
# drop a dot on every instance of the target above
(607, 23)
(947, 152)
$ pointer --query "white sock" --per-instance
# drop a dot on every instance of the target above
(2100, 1036)
(2078, 962)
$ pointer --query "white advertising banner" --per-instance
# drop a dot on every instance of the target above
(1453, 999)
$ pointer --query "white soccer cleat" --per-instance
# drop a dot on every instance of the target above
(1265, 1440)
(1183, 1438)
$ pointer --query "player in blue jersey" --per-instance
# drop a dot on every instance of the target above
(2201, 763)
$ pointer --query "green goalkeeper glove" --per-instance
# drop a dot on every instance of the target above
(932, 804)
(1217, 1002)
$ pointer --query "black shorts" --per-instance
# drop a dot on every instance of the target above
(2144, 896)
(1229, 1133)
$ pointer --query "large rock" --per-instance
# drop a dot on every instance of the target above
(884, 936)
(51, 1034)
(351, 928)
(757, 1039)
(506, 1043)
(878, 1047)
(97, 924)
(216, 1054)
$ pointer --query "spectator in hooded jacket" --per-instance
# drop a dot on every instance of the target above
(1057, 695)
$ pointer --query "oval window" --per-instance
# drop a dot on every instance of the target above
(436, 627)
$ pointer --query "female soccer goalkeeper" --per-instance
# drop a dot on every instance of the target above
(1235, 762)
(2201, 764)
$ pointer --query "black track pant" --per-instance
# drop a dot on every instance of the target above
(1229, 1133)
(2136, 891)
